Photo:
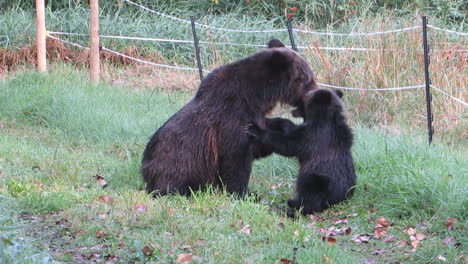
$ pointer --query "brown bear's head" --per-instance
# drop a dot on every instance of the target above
(320, 103)
(300, 78)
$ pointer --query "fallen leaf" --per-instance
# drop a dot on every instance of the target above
(245, 230)
(450, 224)
(368, 261)
(275, 186)
(411, 231)
(102, 215)
(121, 245)
(340, 221)
(380, 232)
(105, 198)
(420, 236)
(384, 222)
(147, 250)
(380, 252)
(101, 180)
(415, 243)
(441, 258)
(402, 243)
(112, 260)
(140, 208)
(327, 259)
(361, 238)
(389, 239)
(466, 260)
(187, 247)
(330, 240)
(286, 261)
(184, 258)
(100, 234)
(348, 230)
(94, 255)
(449, 240)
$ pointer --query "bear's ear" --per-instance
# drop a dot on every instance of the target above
(274, 43)
(339, 93)
(322, 96)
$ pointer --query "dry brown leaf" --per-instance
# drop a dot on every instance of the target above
(105, 198)
(184, 258)
(389, 239)
(415, 243)
(451, 222)
(121, 245)
(102, 215)
(380, 232)
(348, 230)
(380, 251)
(187, 247)
(112, 260)
(327, 259)
(449, 240)
(340, 221)
(411, 231)
(402, 243)
(245, 230)
(296, 232)
(384, 222)
(330, 240)
(100, 234)
(286, 261)
(147, 250)
(140, 208)
(361, 238)
(101, 180)
(420, 236)
(368, 261)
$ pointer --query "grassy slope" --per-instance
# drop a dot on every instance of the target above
(57, 131)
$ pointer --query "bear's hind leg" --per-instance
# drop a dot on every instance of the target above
(235, 173)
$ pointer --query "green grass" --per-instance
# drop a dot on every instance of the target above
(57, 131)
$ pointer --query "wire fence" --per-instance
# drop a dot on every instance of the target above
(56, 35)
(5, 40)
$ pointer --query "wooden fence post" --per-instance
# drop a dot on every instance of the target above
(41, 36)
(94, 65)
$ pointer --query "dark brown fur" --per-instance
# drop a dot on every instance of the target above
(205, 142)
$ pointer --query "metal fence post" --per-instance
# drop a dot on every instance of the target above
(428, 81)
(197, 48)
(291, 36)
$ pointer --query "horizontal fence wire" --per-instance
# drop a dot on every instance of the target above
(6, 40)
(148, 62)
(68, 42)
(372, 89)
(450, 96)
(239, 44)
(448, 30)
(356, 34)
(203, 25)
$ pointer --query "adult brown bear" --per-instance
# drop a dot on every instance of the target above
(205, 141)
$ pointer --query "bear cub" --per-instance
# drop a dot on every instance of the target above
(322, 144)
